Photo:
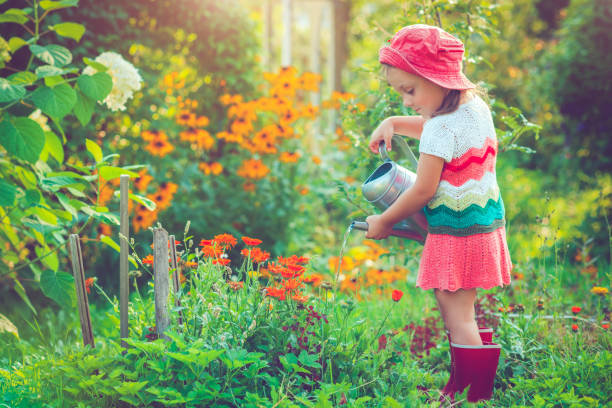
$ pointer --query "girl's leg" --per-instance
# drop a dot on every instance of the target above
(457, 309)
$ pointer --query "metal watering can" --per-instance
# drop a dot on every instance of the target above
(386, 184)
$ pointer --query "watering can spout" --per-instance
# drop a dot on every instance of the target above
(397, 231)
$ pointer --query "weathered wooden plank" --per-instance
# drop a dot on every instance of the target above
(81, 292)
(161, 280)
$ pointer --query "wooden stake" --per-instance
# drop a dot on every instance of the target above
(175, 277)
(287, 43)
(124, 229)
(81, 292)
(161, 280)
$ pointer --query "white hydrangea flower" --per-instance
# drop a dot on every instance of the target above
(126, 79)
(41, 119)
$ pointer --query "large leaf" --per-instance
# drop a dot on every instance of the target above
(7, 194)
(96, 86)
(53, 145)
(55, 102)
(83, 108)
(13, 16)
(16, 43)
(58, 286)
(9, 91)
(7, 327)
(22, 138)
(45, 71)
(52, 54)
(22, 78)
(94, 150)
(111, 172)
(55, 5)
(70, 30)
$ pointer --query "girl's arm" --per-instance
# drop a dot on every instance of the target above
(410, 201)
(410, 126)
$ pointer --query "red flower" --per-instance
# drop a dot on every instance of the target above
(223, 261)
(225, 240)
(382, 342)
(575, 327)
(605, 325)
(206, 242)
(89, 283)
(235, 285)
(148, 260)
(251, 241)
(576, 309)
(397, 295)
(256, 254)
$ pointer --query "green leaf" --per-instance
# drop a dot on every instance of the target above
(22, 78)
(49, 70)
(7, 194)
(52, 54)
(105, 217)
(7, 327)
(23, 138)
(32, 197)
(70, 30)
(96, 86)
(94, 150)
(10, 92)
(111, 172)
(16, 43)
(95, 65)
(111, 243)
(55, 5)
(23, 295)
(130, 388)
(53, 146)
(58, 286)
(52, 81)
(83, 108)
(55, 102)
(13, 16)
(150, 204)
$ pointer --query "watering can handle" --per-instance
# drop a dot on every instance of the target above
(402, 146)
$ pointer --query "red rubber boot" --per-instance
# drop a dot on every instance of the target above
(448, 392)
(475, 367)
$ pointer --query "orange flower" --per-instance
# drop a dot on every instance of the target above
(104, 229)
(235, 285)
(153, 135)
(214, 168)
(211, 251)
(186, 118)
(89, 283)
(256, 254)
(241, 126)
(316, 160)
(225, 240)
(227, 99)
(253, 169)
(202, 121)
(222, 261)
(190, 264)
(159, 147)
(251, 241)
(396, 295)
(287, 157)
(314, 279)
(148, 260)
(142, 181)
(278, 293)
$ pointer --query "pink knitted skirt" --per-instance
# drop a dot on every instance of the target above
(475, 261)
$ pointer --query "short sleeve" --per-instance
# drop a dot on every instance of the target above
(437, 139)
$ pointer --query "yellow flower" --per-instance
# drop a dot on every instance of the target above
(598, 290)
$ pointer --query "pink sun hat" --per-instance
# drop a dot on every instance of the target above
(430, 52)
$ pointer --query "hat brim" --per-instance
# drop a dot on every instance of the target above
(390, 56)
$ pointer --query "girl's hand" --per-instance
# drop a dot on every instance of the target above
(384, 131)
(377, 228)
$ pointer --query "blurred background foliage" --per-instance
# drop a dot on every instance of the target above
(550, 59)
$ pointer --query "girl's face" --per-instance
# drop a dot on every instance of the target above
(418, 93)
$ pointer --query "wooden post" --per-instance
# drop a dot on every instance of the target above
(124, 229)
(268, 33)
(287, 44)
(161, 280)
(333, 86)
(81, 292)
(316, 17)
(175, 277)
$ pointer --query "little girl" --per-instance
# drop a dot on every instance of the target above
(457, 189)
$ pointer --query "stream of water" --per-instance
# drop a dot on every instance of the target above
(346, 235)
